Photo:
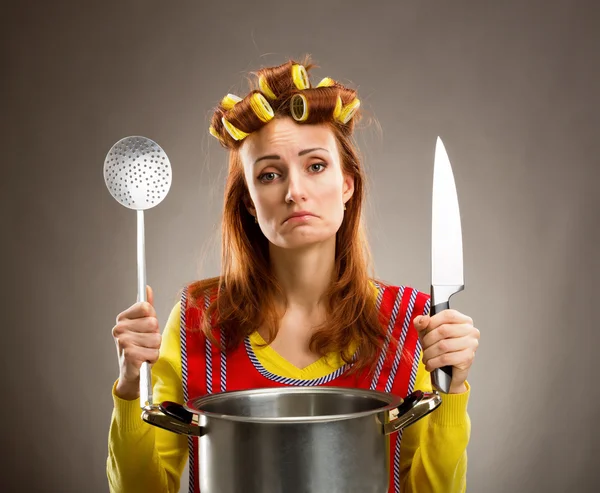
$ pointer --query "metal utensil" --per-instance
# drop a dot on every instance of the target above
(138, 175)
(447, 276)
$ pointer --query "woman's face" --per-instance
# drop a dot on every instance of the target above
(295, 180)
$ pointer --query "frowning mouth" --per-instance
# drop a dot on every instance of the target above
(299, 216)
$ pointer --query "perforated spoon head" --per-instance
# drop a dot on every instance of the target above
(137, 173)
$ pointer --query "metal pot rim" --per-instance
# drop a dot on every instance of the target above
(389, 402)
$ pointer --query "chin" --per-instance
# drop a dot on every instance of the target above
(298, 239)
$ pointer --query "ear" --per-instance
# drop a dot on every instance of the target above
(249, 204)
(348, 187)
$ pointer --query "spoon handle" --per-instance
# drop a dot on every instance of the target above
(145, 372)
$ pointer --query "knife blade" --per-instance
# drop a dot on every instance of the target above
(447, 275)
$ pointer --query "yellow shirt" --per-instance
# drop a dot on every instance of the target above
(143, 458)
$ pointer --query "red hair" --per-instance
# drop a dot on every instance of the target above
(244, 294)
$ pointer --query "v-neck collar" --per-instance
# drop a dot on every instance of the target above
(274, 363)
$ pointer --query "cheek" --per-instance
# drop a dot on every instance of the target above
(264, 199)
(331, 192)
(329, 203)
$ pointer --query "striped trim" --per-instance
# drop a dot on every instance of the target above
(415, 367)
(379, 292)
(182, 336)
(223, 362)
(397, 462)
(426, 307)
(184, 380)
(208, 347)
(388, 336)
(410, 389)
(399, 349)
(417, 356)
(379, 295)
(290, 381)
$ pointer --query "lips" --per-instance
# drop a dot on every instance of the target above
(298, 214)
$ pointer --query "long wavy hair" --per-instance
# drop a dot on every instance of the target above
(242, 299)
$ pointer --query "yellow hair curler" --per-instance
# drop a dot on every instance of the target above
(213, 132)
(338, 108)
(230, 101)
(326, 82)
(261, 107)
(232, 130)
(265, 89)
(348, 111)
(299, 107)
(300, 77)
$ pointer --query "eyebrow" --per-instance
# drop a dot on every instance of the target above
(301, 153)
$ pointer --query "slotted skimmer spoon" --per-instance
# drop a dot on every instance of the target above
(138, 175)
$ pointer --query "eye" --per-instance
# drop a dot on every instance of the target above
(317, 167)
(267, 177)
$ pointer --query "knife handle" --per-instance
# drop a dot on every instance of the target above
(441, 378)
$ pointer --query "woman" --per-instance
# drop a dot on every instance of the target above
(295, 304)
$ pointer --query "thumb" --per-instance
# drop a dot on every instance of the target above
(150, 295)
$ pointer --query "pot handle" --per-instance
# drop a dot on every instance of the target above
(414, 407)
(172, 417)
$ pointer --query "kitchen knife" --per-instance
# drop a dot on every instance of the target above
(447, 277)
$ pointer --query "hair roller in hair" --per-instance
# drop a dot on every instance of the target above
(261, 107)
(232, 130)
(299, 107)
(264, 87)
(230, 101)
(300, 77)
(338, 108)
(348, 111)
(214, 133)
(326, 82)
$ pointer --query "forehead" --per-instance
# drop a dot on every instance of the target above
(284, 136)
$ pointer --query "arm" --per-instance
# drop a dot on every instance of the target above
(433, 455)
(142, 457)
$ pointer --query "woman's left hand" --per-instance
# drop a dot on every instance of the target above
(448, 339)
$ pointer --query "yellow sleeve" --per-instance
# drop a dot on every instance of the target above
(141, 457)
(433, 454)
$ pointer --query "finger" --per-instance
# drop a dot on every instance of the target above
(421, 323)
(447, 346)
(150, 355)
(141, 309)
(460, 359)
(149, 295)
(139, 325)
(446, 331)
(450, 316)
(135, 339)
(134, 356)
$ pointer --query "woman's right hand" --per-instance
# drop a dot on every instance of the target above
(137, 337)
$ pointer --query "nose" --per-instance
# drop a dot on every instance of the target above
(296, 190)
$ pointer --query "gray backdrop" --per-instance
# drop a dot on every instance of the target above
(512, 88)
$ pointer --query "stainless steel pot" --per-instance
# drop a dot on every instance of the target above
(294, 439)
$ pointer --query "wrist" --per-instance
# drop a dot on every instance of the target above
(127, 391)
(460, 388)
